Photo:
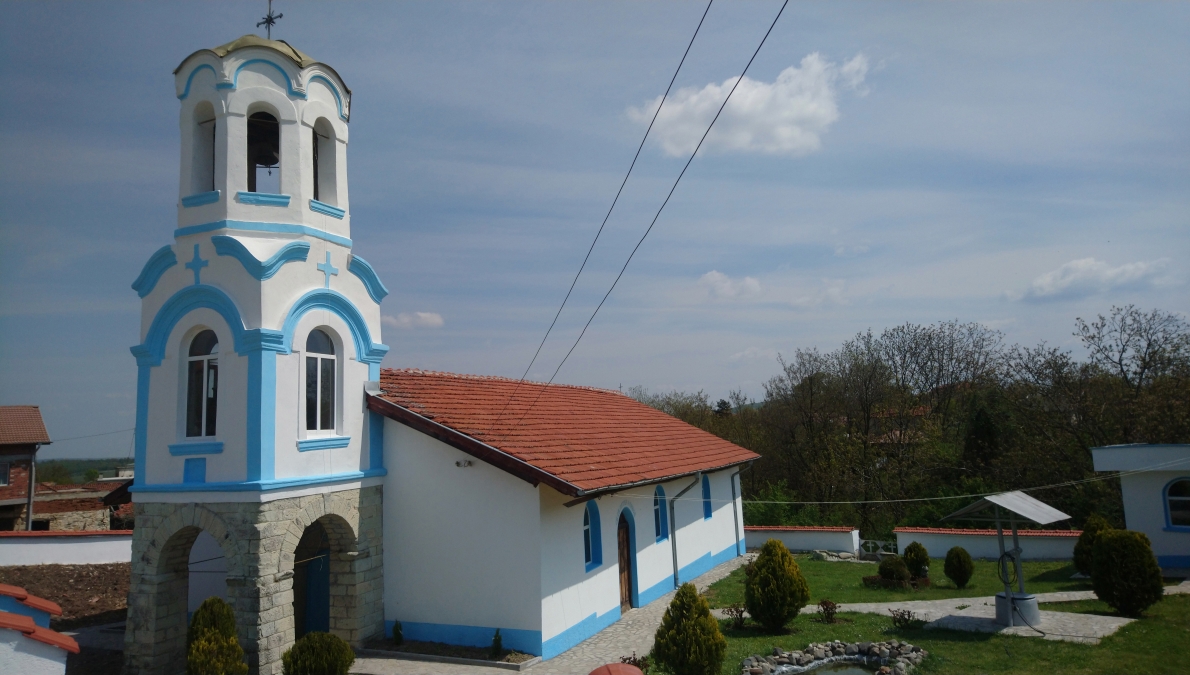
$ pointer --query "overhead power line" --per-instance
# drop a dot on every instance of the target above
(609, 213)
(106, 433)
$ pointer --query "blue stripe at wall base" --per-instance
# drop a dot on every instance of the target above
(706, 563)
(527, 641)
(656, 590)
(577, 633)
(1174, 561)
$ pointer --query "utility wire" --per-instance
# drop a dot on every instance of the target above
(658, 214)
(106, 433)
(609, 213)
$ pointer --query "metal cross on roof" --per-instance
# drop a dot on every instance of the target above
(268, 20)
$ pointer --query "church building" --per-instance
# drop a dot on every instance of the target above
(315, 491)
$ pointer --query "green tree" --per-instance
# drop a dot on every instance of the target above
(53, 472)
(1124, 573)
(775, 590)
(688, 642)
(917, 559)
(1084, 548)
(211, 644)
(958, 566)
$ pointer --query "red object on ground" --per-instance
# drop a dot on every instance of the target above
(617, 669)
(31, 630)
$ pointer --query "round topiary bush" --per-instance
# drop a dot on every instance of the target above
(917, 559)
(958, 566)
(775, 590)
(1084, 548)
(213, 614)
(1124, 573)
(688, 642)
(318, 654)
(893, 568)
(211, 644)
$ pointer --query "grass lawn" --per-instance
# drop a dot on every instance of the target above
(1153, 645)
(842, 582)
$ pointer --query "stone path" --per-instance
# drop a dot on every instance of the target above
(633, 632)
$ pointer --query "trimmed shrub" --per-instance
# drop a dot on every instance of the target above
(213, 614)
(893, 568)
(775, 590)
(318, 654)
(1085, 547)
(958, 566)
(1124, 573)
(917, 559)
(688, 642)
(211, 644)
(497, 648)
(398, 633)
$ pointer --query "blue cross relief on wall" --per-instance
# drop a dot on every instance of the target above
(196, 264)
(328, 269)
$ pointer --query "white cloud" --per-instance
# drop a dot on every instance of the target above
(1088, 276)
(785, 117)
(720, 285)
(406, 320)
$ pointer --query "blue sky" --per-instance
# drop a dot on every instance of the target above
(1014, 164)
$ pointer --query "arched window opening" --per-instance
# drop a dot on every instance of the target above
(1177, 501)
(203, 171)
(202, 384)
(324, 153)
(592, 541)
(320, 382)
(264, 153)
(587, 537)
(660, 521)
(706, 498)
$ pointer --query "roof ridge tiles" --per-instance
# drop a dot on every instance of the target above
(496, 378)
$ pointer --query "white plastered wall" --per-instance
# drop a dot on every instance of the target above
(982, 546)
(26, 656)
(1144, 510)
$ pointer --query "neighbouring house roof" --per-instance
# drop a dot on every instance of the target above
(985, 533)
(796, 528)
(578, 440)
(22, 596)
(31, 630)
(22, 425)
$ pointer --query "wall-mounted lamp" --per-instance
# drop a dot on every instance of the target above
(463, 463)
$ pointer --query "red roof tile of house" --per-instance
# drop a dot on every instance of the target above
(576, 439)
(796, 528)
(987, 533)
(31, 630)
(22, 425)
(22, 596)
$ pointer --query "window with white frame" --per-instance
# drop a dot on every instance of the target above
(4, 469)
(320, 382)
(202, 384)
(1177, 502)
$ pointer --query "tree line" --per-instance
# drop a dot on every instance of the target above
(926, 411)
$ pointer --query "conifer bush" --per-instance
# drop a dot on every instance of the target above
(775, 590)
(318, 654)
(917, 559)
(1085, 547)
(211, 644)
(893, 568)
(1124, 573)
(497, 648)
(688, 642)
(958, 566)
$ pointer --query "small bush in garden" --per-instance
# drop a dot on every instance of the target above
(1084, 548)
(902, 618)
(318, 654)
(893, 568)
(497, 649)
(398, 633)
(735, 613)
(775, 590)
(211, 644)
(959, 567)
(641, 662)
(1124, 573)
(917, 559)
(826, 610)
(688, 642)
(213, 614)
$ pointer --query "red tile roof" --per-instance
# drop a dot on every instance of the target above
(796, 528)
(22, 596)
(22, 425)
(32, 630)
(576, 439)
(987, 533)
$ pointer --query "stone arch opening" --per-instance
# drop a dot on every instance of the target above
(324, 580)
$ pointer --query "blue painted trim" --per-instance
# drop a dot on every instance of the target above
(707, 509)
(580, 631)
(335, 91)
(375, 439)
(42, 618)
(235, 79)
(294, 251)
(207, 448)
(140, 436)
(592, 511)
(360, 268)
(260, 485)
(262, 198)
(200, 199)
(322, 207)
(706, 563)
(324, 443)
(657, 590)
(1173, 561)
(186, 91)
(262, 412)
(253, 226)
(661, 533)
(366, 351)
(1169, 526)
(152, 350)
(157, 264)
(527, 641)
(194, 471)
(626, 512)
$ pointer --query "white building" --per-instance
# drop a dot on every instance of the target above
(315, 491)
(1155, 485)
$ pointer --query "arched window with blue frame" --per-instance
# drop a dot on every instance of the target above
(592, 541)
(706, 498)
(1177, 504)
(660, 519)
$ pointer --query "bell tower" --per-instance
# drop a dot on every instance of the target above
(260, 329)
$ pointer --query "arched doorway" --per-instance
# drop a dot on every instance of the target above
(208, 572)
(312, 582)
(624, 549)
(192, 567)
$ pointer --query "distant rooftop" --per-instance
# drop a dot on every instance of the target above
(22, 425)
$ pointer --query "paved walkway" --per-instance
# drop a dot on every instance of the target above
(633, 632)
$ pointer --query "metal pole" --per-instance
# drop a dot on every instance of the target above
(673, 526)
(32, 488)
(734, 513)
(1016, 556)
(1003, 565)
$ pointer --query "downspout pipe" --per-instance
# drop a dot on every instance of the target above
(673, 525)
(734, 510)
(32, 488)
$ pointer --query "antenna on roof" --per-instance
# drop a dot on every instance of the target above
(268, 20)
